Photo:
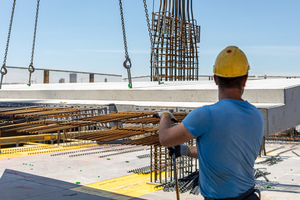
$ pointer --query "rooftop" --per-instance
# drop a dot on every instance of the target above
(74, 174)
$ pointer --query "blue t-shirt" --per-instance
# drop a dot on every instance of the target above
(229, 134)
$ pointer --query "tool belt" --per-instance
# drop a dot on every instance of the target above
(243, 196)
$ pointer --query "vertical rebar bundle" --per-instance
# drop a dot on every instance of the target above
(175, 37)
(162, 166)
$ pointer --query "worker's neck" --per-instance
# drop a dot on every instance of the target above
(231, 93)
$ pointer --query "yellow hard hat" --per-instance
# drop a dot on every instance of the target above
(231, 62)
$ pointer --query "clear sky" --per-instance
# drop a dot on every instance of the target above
(86, 35)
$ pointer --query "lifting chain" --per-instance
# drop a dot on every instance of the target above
(3, 68)
(152, 42)
(127, 62)
(31, 68)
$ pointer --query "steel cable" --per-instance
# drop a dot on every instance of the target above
(127, 63)
(153, 54)
(31, 67)
(3, 68)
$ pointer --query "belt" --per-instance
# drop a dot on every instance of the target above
(240, 197)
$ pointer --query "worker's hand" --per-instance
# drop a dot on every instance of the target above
(159, 114)
(179, 150)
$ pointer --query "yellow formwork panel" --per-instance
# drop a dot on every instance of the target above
(134, 185)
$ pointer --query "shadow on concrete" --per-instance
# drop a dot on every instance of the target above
(287, 188)
(16, 185)
(277, 187)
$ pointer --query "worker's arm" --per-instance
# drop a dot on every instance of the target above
(170, 136)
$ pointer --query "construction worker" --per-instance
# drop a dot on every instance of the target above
(228, 133)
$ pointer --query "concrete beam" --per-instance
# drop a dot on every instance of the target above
(284, 117)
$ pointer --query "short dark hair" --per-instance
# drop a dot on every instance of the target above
(236, 82)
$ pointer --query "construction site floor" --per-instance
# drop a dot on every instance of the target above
(74, 174)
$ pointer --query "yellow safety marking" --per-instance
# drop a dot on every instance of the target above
(5, 156)
(273, 153)
(134, 185)
(18, 152)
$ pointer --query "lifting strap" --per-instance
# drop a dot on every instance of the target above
(31, 68)
(127, 62)
(3, 70)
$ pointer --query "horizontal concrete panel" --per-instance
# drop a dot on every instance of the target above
(264, 95)
(278, 100)
(204, 95)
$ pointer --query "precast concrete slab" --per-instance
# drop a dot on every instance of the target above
(277, 99)
(257, 91)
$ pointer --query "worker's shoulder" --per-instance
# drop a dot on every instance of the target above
(226, 104)
(232, 102)
(230, 105)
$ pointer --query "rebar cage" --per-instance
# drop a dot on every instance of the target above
(175, 44)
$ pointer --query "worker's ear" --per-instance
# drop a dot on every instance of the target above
(245, 80)
(215, 79)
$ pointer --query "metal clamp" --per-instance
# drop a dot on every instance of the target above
(127, 63)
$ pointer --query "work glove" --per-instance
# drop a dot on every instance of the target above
(157, 115)
(179, 150)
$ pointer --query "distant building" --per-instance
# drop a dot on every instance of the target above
(73, 78)
(62, 80)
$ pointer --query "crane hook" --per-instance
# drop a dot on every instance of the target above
(31, 70)
(3, 70)
(127, 63)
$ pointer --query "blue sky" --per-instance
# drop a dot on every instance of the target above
(86, 35)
